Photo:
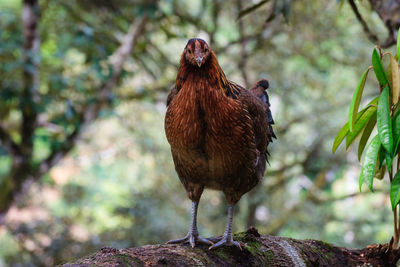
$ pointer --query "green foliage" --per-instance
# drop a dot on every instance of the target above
(384, 122)
(383, 148)
(398, 46)
(360, 124)
(378, 68)
(369, 163)
(395, 190)
(359, 121)
(355, 102)
(396, 130)
(365, 136)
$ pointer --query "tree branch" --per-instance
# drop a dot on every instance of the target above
(31, 57)
(372, 37)
(260, 250)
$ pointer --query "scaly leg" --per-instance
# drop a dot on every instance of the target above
(227, 238)
(193, 234)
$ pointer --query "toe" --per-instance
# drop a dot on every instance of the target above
(226, 242)
(204, 240)
(191, 241)
(217, 245)
(180, 240)
(238, 244)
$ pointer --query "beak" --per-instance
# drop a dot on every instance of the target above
(198, 61)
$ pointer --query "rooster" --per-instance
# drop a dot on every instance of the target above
(218, 132)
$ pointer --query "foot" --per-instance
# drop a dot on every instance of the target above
(227, 241)
(191, 238)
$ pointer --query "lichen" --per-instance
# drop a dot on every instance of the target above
(253, 247)
(240, 236)
(222, 253)
(201, 256)
(269, 257)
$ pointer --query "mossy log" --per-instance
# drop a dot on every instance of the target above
(259, 250)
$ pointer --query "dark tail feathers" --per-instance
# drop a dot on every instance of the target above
(261, 91)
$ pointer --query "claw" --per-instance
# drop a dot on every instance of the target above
(226, 242)
(191, 238)
(180, 240)
(191, 241)
(193, 234)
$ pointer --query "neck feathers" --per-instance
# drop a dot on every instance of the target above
(210, 70)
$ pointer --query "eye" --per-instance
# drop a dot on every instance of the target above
(206, 50)
(189, 51)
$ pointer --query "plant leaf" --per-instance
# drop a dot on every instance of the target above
(395, 190)
(395, 80)
(396, 130)
(384, 121)
(360, 124)
(345, 129)
(355, 102)
(381, 156)
(378, 68)
(365, 136)
(369, 163)
(398, 45)
(389, 160)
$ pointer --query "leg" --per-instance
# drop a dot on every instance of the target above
(227, 238)
(193, 234)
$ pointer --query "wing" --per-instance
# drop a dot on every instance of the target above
(171, 95)
(260, 91)
(256, 102)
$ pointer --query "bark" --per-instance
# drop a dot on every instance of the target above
(22, 153)
(260, 250)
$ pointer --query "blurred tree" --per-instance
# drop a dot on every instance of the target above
(43, 99)
(387, 10)
(389, 13)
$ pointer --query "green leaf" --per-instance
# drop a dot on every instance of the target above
(384, 121)
(381, 156)
(369, 163)
(378, 69)
(396, 131)
(343, 132)
(361, 122)
(355, 102)
(389, 160)
(398, 46)
(365, 136)
(345, 129)
(395, 190)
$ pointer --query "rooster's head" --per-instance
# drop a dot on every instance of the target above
(197, 52)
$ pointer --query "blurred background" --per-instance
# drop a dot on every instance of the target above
(84, 161)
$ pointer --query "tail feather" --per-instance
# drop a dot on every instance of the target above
(260, 90)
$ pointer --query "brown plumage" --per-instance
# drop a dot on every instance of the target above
(218, 132)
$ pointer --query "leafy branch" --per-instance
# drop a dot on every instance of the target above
(384, 113)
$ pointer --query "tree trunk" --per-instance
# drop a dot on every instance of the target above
(260, 250)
